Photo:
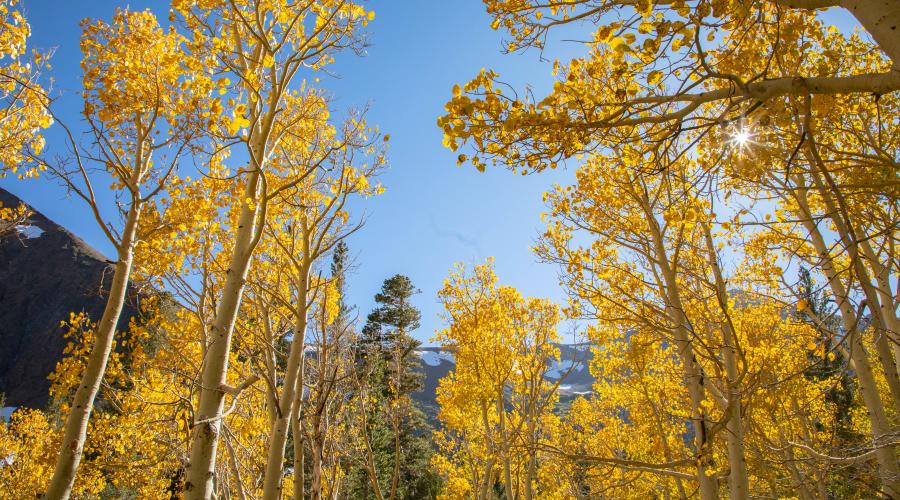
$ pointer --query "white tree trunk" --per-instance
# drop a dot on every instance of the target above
(297, 432)
(693, 376)
(201, 475)
(839, 214)
(739, 482)
(507, 459)
(885, 294)
(278, 432)
(75, 432)
(881, 18)
(887, 459)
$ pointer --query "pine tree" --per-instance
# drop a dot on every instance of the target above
(832, 364)
(397, 429)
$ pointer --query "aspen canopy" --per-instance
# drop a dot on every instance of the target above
(720, 212)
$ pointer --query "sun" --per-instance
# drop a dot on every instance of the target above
(741, 137)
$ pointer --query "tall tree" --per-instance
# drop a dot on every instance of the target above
(329, 382)
(497, 403)
(261, 47)
(804, 124)
(671, 65)
(309, 220)
(139, 129)
(396, 431)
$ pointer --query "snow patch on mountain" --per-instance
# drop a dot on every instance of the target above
(432, 358)
(560, 368)
(29, 231)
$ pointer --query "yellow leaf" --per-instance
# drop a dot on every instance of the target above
(619, 44)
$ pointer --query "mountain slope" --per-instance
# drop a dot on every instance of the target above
(46, 272)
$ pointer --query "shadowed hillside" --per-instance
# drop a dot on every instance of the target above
(46, 272)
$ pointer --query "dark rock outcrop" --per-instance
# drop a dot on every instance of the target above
(46, 272)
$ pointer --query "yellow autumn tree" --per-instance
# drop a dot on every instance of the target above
(642, 256)
(672, 66)
(308, 219)
(707, 94)
(496, 406)
(258, 48)
(140, 127)
(24, 101)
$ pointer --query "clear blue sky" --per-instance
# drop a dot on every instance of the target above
(433, 213)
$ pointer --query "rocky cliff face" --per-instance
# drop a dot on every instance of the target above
(46, 272)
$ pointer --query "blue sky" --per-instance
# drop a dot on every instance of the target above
(433, 213)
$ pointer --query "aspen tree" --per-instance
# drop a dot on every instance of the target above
(811, 167)
(312, 219)
(673, 66)
(259, 48)
(497, 402)
(126, 116)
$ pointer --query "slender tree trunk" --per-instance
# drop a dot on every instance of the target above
(236, 472)
(491, 446)
(839, 214)
(395, 423)
(693, 375)
(739, 482)
(336, 488)
(887, 459)
(886, 359)
(507, 473)
(734, 440)
(278, 432)
(271, 369)
(316, 454)
(488, 479)
(297, 432)
(201, 470)
(371, 471)
(886, 300)
(75, 431)
(694, 380)
(531, 468)
(667, 451)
